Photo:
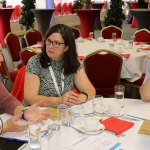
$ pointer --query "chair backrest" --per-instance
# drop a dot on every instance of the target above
(33, 36)
(5, 73)
(142, 35)
(76, 32)
(106, 32)
(13, 46)
(26, 54)
(103, 69)
(18, 87)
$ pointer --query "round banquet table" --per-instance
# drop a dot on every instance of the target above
(43, 17)
(87, 19)
(5, 14)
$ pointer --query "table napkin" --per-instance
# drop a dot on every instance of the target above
(81, 57)
(116, 125)
(144, 48)
(89, 38)
(139, 43)
(125, 55)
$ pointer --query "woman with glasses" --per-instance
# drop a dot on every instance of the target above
(53, 75)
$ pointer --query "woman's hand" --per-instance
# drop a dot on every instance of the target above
(70, 98)
(13, 124)
(34, 114)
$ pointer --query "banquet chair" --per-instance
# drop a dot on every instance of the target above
(64, 9)
(13, 47)
(70, 7)
(76, 32)
(106, 32)
(25, 54)
(142, 35)
(6, 75)
(18, 86)
(103, 69)
(32, 36)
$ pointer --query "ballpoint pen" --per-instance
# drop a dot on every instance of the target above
(135, 117)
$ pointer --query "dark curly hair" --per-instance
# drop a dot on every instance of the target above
(71, 63)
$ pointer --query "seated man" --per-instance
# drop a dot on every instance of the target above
(12, 106)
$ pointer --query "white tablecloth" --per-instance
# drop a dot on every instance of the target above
(132, 68)
(129, 140)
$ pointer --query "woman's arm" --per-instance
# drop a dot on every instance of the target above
(145, 91)
(84, 85)
(31, 90)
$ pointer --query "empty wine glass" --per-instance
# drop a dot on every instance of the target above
(91, 35)
(114, 36)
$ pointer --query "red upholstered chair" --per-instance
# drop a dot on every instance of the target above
(64, 9)
(26, 54)
(6, 75)
(106, 32)
(13, 47)
(58, 9)
(33, 36)
(18, 87)
(142, 35)
(103, 69)
(76, 32)
(70, 6)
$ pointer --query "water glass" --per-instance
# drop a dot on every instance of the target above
(91, 35)
(114, 36)
(54, 137)
(119, 94)
(62, 115)
(77, 115)
(34, 134)
(98, 105)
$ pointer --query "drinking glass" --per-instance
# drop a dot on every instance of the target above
(34, 134)
(119, 95)
(114, 36)
(54, 137)
(62, 115)
(98, 105)
(77, 115)
(91, 35)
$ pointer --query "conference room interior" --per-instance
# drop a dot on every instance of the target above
(73, 20)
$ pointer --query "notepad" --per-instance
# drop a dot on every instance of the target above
(145, 128)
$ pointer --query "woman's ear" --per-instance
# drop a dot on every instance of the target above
(66, 48)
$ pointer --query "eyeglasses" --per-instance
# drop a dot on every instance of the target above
(55, 44)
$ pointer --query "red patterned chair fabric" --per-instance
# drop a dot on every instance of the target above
(33, 36)
(106, 32)
(13, 46)
(142, 35)
(26, 54)
(76, 32)
(18, 87)
(103, 69)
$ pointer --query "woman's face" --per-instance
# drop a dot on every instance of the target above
(55, 46)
